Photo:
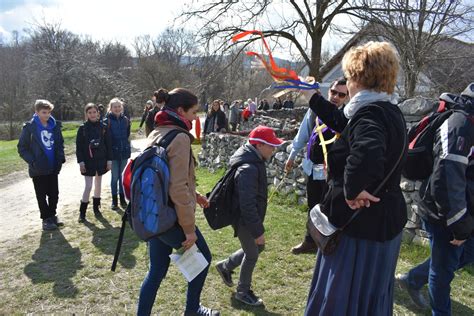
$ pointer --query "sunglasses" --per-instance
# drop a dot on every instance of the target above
(339, 94)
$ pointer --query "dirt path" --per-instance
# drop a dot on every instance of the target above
(19, 209)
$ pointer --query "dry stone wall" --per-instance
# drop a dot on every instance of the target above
(219, 147)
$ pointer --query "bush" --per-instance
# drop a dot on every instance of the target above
(7, 133)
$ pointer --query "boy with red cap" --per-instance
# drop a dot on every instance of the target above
(250, 197)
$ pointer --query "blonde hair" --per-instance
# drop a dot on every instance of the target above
(373, 65)
(112, 102)
(41, 104)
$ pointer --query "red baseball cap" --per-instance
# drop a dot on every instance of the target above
(265, 135)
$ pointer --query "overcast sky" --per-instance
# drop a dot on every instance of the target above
(101, 19)
(105, 20)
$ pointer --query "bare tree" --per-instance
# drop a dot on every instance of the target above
(71, 72)
(301, 24)
(416, 27)
(163, 61)
(12, 84)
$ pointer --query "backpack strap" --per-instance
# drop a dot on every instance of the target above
(169, 137)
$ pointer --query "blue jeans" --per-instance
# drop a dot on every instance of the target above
(159, 250)
(117, 168)
(438, 270)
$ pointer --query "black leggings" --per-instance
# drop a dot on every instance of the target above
(315, 190)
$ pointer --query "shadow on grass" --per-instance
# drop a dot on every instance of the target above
(256, 310)
(105, 239)
(402, 298)
(55, 261)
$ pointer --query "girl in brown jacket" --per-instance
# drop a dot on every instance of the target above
(180, 109)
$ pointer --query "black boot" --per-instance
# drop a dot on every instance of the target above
(82, 212)
(114, 203)
(123, 202)
(96, 206)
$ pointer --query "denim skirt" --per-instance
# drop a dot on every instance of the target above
(357, 279)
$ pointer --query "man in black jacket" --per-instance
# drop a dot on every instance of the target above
(313, 164)
(447, 208)
(250, 196)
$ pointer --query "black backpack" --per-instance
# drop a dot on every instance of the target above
(420, 160)
(221, 212)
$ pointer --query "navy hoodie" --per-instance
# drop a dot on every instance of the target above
(42, 147)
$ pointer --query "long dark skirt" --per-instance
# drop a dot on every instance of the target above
(357, 279)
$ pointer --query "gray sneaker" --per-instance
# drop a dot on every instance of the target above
(57, 221)
(415, 295)
(225, 274)
(248, 298)
(48, 224)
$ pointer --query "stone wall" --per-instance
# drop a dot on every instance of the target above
(219, 147)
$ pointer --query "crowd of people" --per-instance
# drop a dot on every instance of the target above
(367, 152)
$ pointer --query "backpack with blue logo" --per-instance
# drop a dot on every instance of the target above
(145, 180)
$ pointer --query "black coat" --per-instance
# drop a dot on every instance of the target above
(214, 122)
(250, 190)
(31, 150)
(367, 149)
(93, 147)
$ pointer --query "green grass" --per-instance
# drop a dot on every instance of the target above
(68, 271)
(11, 161)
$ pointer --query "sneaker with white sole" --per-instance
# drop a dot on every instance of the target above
(248, 298)
(415, 295)
(203, 311)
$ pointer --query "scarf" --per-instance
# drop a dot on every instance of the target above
(366, 97)
(168, 116)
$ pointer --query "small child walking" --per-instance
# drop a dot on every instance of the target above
(250, 194)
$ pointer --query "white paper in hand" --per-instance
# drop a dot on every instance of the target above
(190, 263)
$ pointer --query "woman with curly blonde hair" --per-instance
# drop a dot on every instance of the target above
(358, 277)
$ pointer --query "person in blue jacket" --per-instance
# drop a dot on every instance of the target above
(313, 164)
(118, 125)
(41, 145)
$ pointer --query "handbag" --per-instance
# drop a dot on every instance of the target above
(326, 235)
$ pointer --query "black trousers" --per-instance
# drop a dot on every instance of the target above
(47, 186)
(315, 190)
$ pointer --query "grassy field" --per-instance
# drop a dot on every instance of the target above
(11, 161)
(68, 271)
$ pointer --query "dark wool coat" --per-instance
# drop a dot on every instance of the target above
(367, 149)
(95, 157)
(31, 150)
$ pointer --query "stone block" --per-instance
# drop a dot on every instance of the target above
(302, 201)
(421, 241)
(417, 106)
(408, 235)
